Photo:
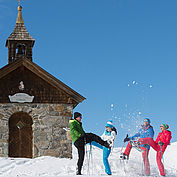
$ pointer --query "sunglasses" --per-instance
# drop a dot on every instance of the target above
(161, 126)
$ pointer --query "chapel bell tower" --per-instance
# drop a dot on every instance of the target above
(35, 107)
(19, 43)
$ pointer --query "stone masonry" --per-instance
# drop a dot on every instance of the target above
(50, 121)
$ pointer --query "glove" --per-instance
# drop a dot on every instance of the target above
(126, 139)
(110, 143)
(160, 143)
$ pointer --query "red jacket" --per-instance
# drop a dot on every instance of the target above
(165, 137)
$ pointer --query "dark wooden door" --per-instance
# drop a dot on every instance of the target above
(20, 135)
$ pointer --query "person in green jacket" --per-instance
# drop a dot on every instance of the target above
(80, 139)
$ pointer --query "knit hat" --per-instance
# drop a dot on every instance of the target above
(165, 126)
(109, 124)
(77, 114)
(147, 120)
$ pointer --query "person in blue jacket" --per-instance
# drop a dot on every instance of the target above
(144, 132)
(109, 135)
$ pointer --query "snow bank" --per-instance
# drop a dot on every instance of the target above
(53, 167)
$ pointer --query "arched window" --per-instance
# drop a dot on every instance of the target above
(20, 49)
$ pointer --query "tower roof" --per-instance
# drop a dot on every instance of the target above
(19, 32)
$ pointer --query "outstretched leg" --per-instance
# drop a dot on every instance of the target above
(149, 141)
(96, 145)
(92, 137)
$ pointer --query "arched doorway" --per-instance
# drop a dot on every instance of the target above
(20, 135)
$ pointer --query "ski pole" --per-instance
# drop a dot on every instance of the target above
(88, 161)
(122, 147)
(87, 158)
(91, 156)
(87, 155)
(142, 168)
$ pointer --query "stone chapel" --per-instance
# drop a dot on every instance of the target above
(35, 107)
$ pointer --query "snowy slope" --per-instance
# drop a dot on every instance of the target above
(53, 167)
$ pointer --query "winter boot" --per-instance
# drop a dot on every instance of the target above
(136, 145)
(78, 172)
(124, 156)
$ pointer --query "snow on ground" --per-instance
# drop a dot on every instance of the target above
(53, 167)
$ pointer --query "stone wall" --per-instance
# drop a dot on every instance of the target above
(49, 122)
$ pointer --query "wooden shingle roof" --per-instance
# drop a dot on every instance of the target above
(39, 72)
(20, 32)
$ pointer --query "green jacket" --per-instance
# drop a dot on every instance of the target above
(76, 129)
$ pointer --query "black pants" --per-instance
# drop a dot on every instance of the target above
(80, 145)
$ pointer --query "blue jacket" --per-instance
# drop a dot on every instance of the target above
(144, 132)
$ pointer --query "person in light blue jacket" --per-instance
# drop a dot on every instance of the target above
(145, 132)
(109, 135)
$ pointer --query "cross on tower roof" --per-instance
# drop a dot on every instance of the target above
(19, 2)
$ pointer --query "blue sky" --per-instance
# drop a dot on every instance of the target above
(119, 54)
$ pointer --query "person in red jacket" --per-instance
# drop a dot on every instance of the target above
(161, 143)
